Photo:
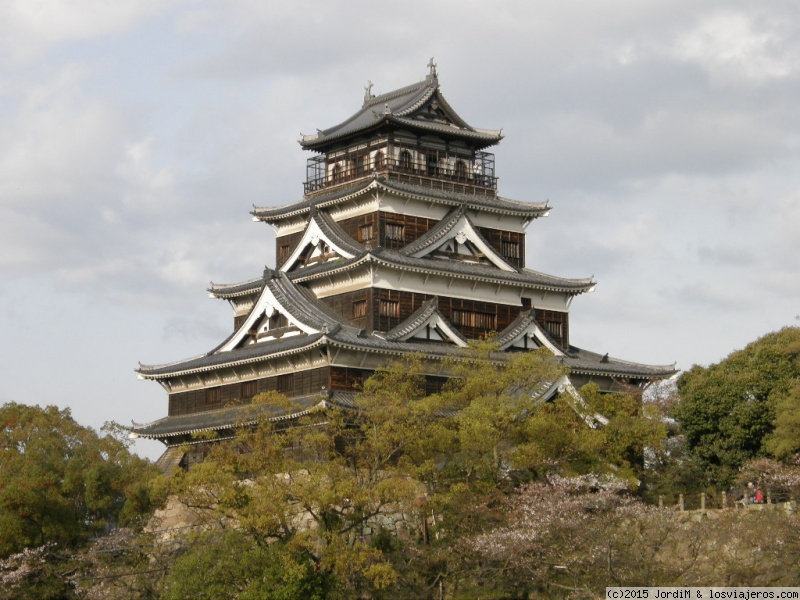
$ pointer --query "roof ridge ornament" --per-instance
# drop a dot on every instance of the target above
(432, 75)
(368, 95)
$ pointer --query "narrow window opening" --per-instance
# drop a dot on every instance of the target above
(390, 308)
(511, 249)
(395, 231)
(365, 232)
(405, 160)
(359, 309)
(285, 383)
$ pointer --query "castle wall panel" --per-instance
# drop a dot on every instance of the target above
(299, 383)
(509, 244)
(285, 245)
(348, 378)
(556, 324)
(484, 316)
(353, 307)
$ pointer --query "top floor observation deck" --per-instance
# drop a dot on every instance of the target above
(469, 173)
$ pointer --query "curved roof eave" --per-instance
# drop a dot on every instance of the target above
(398, 106)
(234, 359)
(496, 205)
(526, 278)
(226, 291)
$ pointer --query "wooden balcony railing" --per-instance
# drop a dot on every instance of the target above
(432, 175)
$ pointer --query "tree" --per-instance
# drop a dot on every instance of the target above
(61, 482)
(228, 564)
(328, 488)
(744, 407)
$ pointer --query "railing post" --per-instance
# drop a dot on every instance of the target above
(680, 503)
(702, 500)
(661, 502)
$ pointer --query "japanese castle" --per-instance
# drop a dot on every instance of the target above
(400, 244)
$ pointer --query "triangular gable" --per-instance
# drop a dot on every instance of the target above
(432, 105)
(526, 334)
(265, 317)
(459, 239)
(427, 324)
(563, 385)
(320, 243)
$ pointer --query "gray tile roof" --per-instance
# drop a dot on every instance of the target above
(585, 361)
(493, 204)
(449, 268)
(400, 106)
(516, 327)
(239, 356)
(236, 290)
(302, 304)
(417, 319)
(338, 235)
(332, 330)
(226, 418)
(440, 231)
(252, 286)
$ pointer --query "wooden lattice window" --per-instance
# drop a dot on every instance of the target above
(461, 169)
(359, 309)
(379, 160)
(285, 383)
(278, 321)
(554, 328)
(479, 320)
(213, 395)
(511, 249)
(365, 232)
(405, 160)
(390, 308)
(395, 231)
(249, 389)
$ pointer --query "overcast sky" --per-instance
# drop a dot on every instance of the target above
(135, 136)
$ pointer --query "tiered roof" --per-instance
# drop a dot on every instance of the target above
(316, 330)
(417, 106)
(359, 189)
(325, 328)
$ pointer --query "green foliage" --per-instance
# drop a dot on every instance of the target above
(61, 482)
(444, 461)
(784, 441)
(743, 407)
(230, 564)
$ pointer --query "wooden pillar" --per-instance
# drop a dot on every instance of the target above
(724, 500)
(702, 500)
(681, 505)
(769, 497)
(661, 502)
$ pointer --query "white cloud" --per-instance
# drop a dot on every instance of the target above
(29, 28)
(734, 45)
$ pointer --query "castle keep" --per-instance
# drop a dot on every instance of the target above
(400, 244)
